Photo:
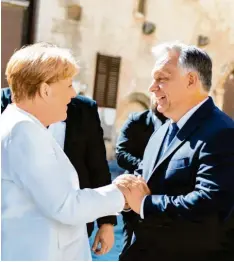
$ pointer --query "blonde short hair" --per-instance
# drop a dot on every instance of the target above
(39, 63)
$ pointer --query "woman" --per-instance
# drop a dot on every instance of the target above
(44, 213)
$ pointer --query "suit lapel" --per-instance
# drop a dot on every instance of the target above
(176, 142)
(190, 126)
(155, 145)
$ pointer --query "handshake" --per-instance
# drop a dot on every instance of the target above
(134, 189)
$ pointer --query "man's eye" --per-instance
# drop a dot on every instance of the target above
(162, 80)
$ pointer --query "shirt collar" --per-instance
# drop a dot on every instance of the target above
(186, 116)
(33, 118)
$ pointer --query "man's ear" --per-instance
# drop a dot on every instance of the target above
(192, 79)
(44, 91)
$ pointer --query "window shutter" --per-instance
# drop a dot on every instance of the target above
(141, 7)
(106, 80)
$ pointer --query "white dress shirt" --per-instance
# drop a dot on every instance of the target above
(180, 124)
(44, 212)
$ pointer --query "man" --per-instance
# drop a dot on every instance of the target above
(130, 148)
(188, 165)
(81, 137)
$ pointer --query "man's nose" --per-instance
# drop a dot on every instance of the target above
(153, 87)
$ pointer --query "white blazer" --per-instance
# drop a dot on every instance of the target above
(44, 212)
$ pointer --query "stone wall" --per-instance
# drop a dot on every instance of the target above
(113, 28)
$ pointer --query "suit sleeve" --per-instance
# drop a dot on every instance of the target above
(214, 184)
(125, 143)
(43, 178)
(96, 158)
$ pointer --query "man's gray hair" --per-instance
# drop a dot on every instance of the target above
(190, 58)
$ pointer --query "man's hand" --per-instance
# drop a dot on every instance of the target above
(123, 182)
(136, 195)
(105, 236)
(134, 190)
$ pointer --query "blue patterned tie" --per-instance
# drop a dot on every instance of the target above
(173, 129)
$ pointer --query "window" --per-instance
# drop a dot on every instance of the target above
(106, 80)
(141, 7)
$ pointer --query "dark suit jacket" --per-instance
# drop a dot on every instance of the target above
(134, 137)
(83, 145)
(189, 215)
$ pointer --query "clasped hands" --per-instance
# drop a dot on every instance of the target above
(134, 189)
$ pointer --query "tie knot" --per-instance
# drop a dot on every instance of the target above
(173, 129)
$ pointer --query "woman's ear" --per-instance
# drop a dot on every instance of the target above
(44, 91)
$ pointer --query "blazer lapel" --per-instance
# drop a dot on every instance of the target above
(190, 126)
(176, 142)
(155, 145)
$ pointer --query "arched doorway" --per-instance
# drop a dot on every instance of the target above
(135, 102)
(228, 97)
